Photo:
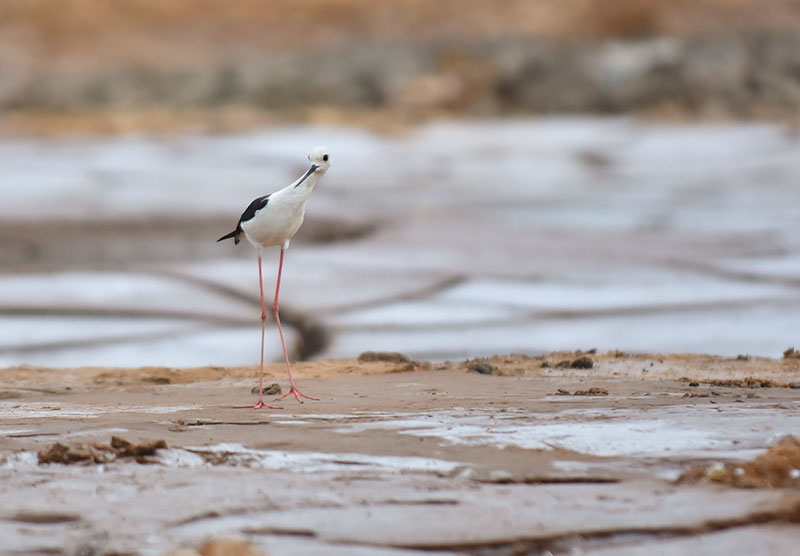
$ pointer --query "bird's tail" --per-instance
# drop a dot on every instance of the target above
(234, 234)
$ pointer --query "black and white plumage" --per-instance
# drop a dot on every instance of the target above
(274, 220)
(248, 214)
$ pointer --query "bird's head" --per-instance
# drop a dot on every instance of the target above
(321, 158)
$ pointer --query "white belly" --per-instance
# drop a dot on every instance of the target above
(274, 225)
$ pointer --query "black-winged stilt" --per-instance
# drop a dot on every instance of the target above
(273, 220)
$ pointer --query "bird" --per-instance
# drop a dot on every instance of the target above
(273, 220)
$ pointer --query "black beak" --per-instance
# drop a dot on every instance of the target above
(311, 170)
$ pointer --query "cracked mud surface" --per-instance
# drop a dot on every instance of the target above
(393, 461)
(686, 241)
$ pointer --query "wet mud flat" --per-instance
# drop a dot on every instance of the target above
(590, 453)
(475, 237)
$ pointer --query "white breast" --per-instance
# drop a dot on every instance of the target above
(277, 223)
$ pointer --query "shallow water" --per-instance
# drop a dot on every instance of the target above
(490, 236)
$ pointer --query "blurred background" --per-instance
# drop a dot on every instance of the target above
(507, 176)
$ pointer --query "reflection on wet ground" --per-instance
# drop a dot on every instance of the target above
(454, 240)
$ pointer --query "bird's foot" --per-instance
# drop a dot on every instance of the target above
(258, 405)
(297, 395)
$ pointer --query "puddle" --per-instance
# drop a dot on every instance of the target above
(25, 332)
(787, 266)
(236, 455)
(588, 295)
(231, 454)
(761, 328)
(73, 411)
(97, 342)
(724, 431)
(19, 460)
(131, 290)
(11, 432)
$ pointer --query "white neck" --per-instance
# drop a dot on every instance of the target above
(307, 181)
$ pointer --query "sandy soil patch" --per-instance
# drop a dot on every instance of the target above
(400, 456)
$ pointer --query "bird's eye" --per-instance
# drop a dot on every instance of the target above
(325, 158)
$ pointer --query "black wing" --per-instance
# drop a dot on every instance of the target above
(252, 209)
(248, 214)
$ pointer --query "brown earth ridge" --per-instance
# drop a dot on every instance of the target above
(711, 59)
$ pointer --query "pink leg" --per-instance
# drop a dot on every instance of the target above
(260, 403)
(293, 390)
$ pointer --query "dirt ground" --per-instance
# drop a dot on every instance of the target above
(87, 31)
(92, 66)
(570, 452)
